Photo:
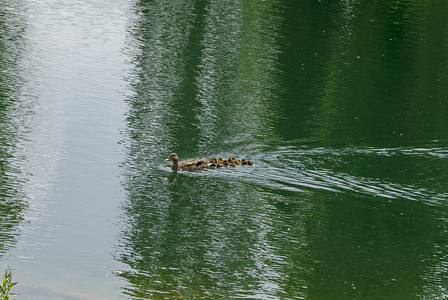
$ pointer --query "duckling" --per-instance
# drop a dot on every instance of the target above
(246, 162)
(213, 162)
(187, 165)
(234, 161)
(225, 162)
(216, 165)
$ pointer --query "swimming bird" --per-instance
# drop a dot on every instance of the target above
(235, 161)
(201, 163)
(247, 162)
(187, 165)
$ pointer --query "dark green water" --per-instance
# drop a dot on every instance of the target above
(341, 104)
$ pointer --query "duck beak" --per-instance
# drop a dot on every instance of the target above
(167, 159)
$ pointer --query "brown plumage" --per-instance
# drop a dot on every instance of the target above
(201, 163)
(247, 162)
(187, 165)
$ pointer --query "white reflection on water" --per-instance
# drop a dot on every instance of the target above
(64, 126)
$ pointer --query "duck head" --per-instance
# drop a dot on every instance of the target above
(173, 157)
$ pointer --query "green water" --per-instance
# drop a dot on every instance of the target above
(341, 104)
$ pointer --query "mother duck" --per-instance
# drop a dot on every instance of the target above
(187, 165)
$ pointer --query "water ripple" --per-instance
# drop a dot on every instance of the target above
(307, 170)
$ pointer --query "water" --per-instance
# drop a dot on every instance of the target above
(342, 106)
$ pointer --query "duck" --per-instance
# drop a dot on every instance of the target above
(247, 162)
(187, 165)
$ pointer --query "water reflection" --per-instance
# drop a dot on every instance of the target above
(288, 233)
(159, 57)
(31, 132)
(237, 75)
(59, 116)
(189, 236)
(371, 93)
(187, 245)
(12, 44)
(308, 220)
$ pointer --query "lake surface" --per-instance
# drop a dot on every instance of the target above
(342, 105)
